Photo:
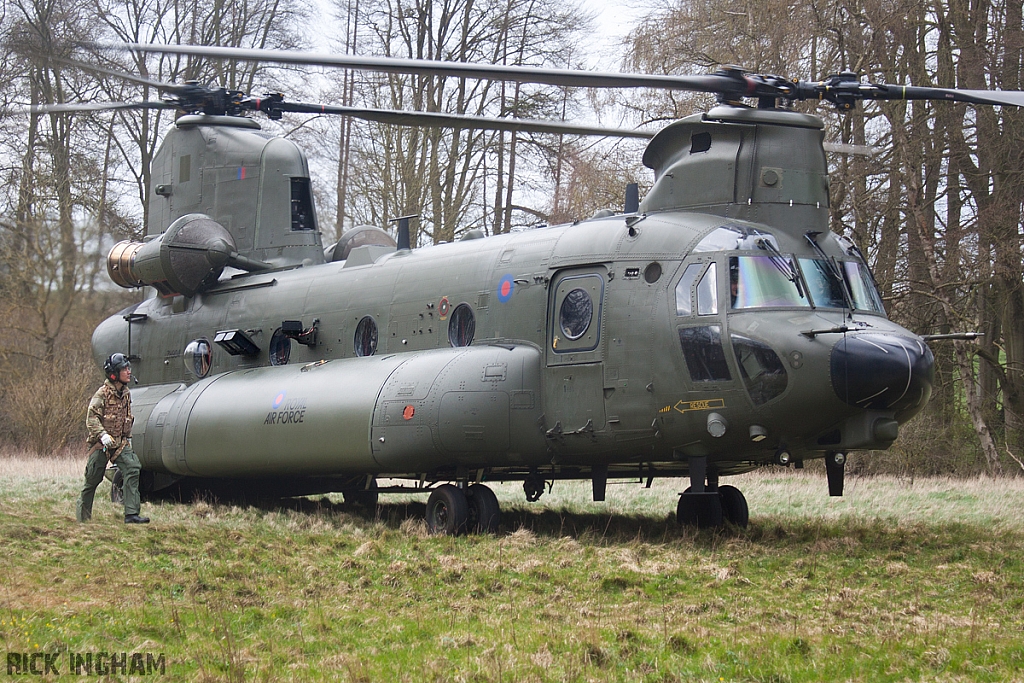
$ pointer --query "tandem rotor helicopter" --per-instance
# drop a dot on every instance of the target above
(713, 327)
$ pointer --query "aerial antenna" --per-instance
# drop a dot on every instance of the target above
(632, 198)
(403, 240)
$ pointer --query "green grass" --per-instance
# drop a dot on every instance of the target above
(896, 581)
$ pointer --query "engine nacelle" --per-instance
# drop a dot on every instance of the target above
(185, 259)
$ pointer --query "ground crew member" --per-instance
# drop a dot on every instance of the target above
(109, 422)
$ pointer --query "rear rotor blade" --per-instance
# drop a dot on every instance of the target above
(419, 118)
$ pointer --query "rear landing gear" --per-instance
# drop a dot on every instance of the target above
(484, 512)
(453, 511)
(447, 511)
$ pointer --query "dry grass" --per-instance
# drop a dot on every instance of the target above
(898, 581)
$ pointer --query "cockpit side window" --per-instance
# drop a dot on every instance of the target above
(702, 349)
(707, 292)
(684, 289)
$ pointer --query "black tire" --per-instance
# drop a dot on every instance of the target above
(117, 487)
(484, 511)
(360, 497)
(734, 506)
(447, 511)
(703, 511)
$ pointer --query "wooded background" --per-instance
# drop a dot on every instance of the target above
(937, 210)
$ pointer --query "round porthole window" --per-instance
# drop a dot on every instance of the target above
(366, 337)
(461, 326)
(280, 348)
(575, 314)
(198, 357)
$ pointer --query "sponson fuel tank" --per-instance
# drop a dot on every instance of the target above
(395, 413)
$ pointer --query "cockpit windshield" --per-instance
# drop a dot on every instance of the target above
(826, 290)
(731, 237)
(759, 282)
(862, 287)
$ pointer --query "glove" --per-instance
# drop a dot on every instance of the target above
(107, 440)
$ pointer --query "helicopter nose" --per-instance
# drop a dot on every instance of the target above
(880, 372)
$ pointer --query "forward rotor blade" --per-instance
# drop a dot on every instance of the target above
(1014, 98)
(520, 74)
(92, 106)
(844, 148)
(845, 89)
(160, 85)
(419, 118)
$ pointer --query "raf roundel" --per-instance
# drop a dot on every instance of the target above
(505, 288)
(278, 400)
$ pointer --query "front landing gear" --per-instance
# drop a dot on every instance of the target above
(702, 510)
(711, 509)
(705, 504)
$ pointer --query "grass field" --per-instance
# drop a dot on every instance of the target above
(897, 581)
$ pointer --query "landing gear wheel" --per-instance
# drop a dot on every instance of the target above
(117, 487)
(360, 497)
(447, 511)
(734, 506)
(484, 512)
(702, 510)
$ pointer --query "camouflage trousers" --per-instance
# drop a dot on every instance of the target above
(130, 467)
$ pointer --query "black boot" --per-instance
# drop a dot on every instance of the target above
(135, 519)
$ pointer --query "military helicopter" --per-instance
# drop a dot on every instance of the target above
(711, 328)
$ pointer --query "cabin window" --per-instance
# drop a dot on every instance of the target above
(707, 292)
(302, 205)
(825, 289)
(461, 326)
(759, 282)
(198, 357)
(280, 348)
(575, 314)
(763, 374)
(702, 349)
(575, 321)
(366, 337)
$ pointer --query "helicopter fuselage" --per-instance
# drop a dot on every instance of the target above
(611, 342)
(717, 327)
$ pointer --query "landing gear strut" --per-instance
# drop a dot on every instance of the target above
(835, 469)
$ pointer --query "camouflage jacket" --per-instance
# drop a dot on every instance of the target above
(110, 411)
